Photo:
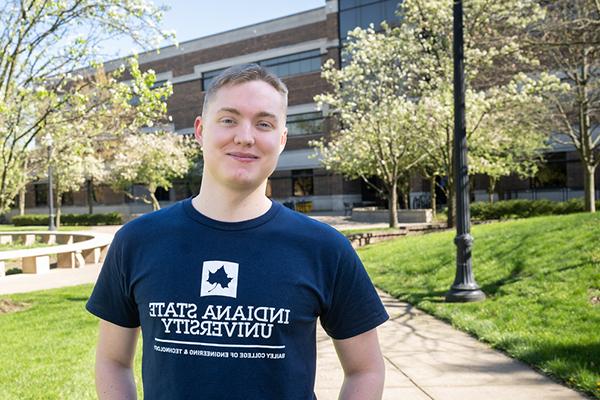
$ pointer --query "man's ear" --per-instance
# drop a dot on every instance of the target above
(198, 130)
(283, 140)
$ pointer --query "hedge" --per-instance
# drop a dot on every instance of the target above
(525, 208)
(112, 218)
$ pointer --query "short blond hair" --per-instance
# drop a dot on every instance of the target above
(243, 73)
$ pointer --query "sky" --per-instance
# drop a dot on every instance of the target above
(191, 19)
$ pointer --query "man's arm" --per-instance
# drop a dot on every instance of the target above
(364, 370)
(114, 362)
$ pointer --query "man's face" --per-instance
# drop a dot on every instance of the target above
(242, 134)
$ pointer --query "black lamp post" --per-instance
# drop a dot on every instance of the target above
(49, 142)
(464, 288)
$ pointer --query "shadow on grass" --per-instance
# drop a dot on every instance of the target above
(77, 299)
(492, 288)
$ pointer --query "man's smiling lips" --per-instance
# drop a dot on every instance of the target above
(243, 157)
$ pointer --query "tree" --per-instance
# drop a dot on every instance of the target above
(495, 86)
(514, 132)
(376, 116)
(87, 134)
(41, 43)
(153, 160)
(568, 40)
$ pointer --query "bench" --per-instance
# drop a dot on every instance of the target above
(74, 250)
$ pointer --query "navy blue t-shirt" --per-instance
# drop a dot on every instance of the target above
(228, 310)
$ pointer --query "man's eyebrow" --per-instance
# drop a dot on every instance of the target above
(230, 110)
(264, 114)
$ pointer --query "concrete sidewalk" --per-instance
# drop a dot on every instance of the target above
(425, 359)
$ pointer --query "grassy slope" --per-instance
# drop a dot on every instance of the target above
(540, 275)
(47, 351)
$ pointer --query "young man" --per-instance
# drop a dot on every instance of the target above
(227, 287)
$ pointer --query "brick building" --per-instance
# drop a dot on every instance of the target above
(294, 47)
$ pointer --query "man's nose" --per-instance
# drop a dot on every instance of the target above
(244, 135)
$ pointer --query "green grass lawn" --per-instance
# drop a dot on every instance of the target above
(542, 279)
(47, 350)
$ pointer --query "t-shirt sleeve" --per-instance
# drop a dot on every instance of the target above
(354, 307)
(112, 299)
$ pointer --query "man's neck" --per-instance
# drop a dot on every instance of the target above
(228, 205)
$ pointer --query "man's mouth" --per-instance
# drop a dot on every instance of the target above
(243, 156)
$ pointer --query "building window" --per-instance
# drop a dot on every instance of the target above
(302, 182)
(292, 64)
(552, 173)
(41, 194)
(361, 13)
(162, 194)
(305, 124)
(68, 199)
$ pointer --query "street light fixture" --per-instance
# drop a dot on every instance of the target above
(464, 288)
(49, 142)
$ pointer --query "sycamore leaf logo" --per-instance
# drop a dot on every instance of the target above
(219, 278)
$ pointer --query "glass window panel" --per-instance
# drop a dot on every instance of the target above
(390, 8)
(302, 182)
(305, 124)
(348, 21)
(344, 4)
(295, 67)
(315, 64)
(306, 65)
(371, 14)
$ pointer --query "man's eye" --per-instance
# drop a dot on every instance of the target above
(227, 121)
(265, 125)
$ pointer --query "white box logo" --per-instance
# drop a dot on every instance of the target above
(219, 278)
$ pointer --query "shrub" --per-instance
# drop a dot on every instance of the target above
(525, 208)
(112, 218)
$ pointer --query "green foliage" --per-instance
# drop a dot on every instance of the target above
(540, 275)
(112, 218)
(524, 208)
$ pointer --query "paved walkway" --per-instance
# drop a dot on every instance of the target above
(425, 359)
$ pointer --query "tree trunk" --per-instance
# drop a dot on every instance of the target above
(155, 203)
(393, 205)
(589, 188)
(90, 195)
(432, 195)
(22, 201)
(491, 188)
(58, 209)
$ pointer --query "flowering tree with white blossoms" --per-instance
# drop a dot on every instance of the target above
(417, 59)
(152, 160)
(42, 42)
(88, 133)
(376, 116)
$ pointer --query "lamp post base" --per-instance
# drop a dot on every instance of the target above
(464, 295)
